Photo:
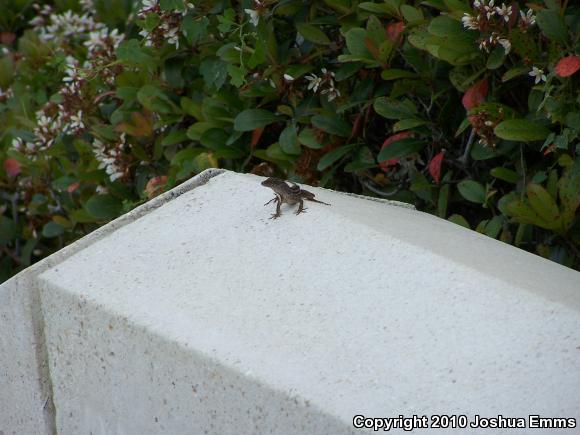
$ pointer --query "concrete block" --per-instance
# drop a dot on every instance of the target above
(198, 314)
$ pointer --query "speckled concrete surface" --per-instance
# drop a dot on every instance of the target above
(201, 315)
(26, 405)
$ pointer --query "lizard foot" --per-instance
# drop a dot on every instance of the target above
(275, 216)
(272, 200)
(301, 211)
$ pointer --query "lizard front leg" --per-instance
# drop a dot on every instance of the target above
(278, 205)
(301, 208)
(273, 199)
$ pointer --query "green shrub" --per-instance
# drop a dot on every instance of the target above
(470, 112)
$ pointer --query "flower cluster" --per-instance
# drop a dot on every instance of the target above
(111, 157)
(45, 133)
(63, 26)
(325, 84)
(492, 20)
(68, 115)
(169, 25)
(483, 124)
(102, 45)
(495, 21)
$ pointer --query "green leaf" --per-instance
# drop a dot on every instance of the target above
(250, 119)
(543, 203)
(8, 229)
(333, 156)
(472, 191)
(332, 124)
(553, 25)
(445, 26)
(521, 130)
(376, 31)
(459, 220)
(289, 140)
(411, 14)
(130, 52)
(406, 124)
(195, 131)
(400, 148)
(103, 207)
(505, 174)
(362, 160)
(194, 29)
(355, 42)
(154, 99)
(514, 72)
(312, 33)
(214, 139)
(214, 72)
(394, 109)
(493, 227)
(150, 22)
(52, 229)
(307, 137)
(393, 73)
(174, 137)
(458, 6)
(496, 58)
(387, 8)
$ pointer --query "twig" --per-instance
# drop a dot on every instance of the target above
(380, 192)
(464, 159)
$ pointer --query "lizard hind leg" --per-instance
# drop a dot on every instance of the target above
(301, 208)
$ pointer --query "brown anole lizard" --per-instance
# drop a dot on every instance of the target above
(288, 194)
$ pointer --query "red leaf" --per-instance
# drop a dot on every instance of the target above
(475, 95)
(12, 167)
(394, 30)
(256, 135)
(386, 163)
(568, 66)
(7, 38)
(73, 186)
(435, 166)
(155, 186)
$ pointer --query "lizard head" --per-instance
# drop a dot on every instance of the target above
(271, 181)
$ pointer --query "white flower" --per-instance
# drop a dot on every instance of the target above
(507, 46)
(87, 6)
(77, 121)
(528, 19)
(332, 93)
(470, 22)
(315, 82)
(299, 39)
(254, 16)
(489, 9)
(173, 37)
(538, 74)
(288, 77)
(17, 143)
(476, 4)
(504, 12)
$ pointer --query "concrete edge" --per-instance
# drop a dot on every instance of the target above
(25, 281)
(110, 227)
